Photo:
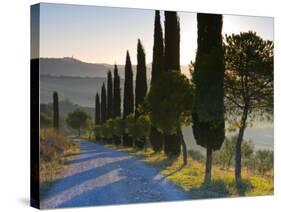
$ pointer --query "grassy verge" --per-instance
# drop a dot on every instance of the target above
(190, 178)
(55, 151)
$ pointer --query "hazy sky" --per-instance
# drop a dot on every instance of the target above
(103, 34)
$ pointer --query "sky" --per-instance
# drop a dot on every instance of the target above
(103, 34)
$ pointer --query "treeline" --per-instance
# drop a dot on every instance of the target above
(232, 81)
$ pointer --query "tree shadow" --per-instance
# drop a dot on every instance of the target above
(214, 189)
(135, 182)
(242, 186)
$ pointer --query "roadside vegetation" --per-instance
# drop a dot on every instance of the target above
(55, 148)
(191, 178)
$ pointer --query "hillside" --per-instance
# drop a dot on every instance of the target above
(69, 66)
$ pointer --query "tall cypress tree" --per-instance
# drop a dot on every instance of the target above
(141, 86)
(141, 81)
(172, 144)
(116, 94)
(128, 103)
(208, 111)
(103, 104)
(109, 95)
(116, 100)
(156, 137)
(158, 49)
(97, 110)
(55, 110)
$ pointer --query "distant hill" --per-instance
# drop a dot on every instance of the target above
(69, 66)
(79, 90)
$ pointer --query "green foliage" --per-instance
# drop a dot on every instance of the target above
(109, 95)
(45, 121)
(97, 110)
(172, 41)
(107, 129)
(264, 161)
(128, 104)
(116, 94)
(141, 84)
(98, 131)
(103, 104)
(170, 105)
(248, 82)
(118, 126)
(137, 128)
(208, 77)
(249, 75)
(225, 156)
(55, 110)
(156, 137)
(158, 49)
(78, 119)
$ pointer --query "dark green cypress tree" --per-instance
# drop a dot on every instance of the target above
(116, 94)
(103, 104)
(109, 95)
(208, 112)
(156, 137)
(172, 144)
(158, 49)
(128, 103)
(55, 110)
(116, 100)
(97, 110)
(141, 86)
(141, 81)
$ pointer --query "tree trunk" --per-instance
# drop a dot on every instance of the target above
(184, 150)
(79, 132)
(239, 144)
(208, 167)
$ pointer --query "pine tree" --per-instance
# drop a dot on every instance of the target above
(208, 111)
(116, 100)
(156, 137)
(172, 144)
(55, 110)
(128, 103)
(141, 86)
(109, 95)
(103, 104)
(97, 110)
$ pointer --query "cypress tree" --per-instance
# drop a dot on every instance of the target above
(158, 49)
(55, 110)
(141, 86)
(141, 82)
(116, 100)
(156, 137)
(208, 111)
(109, 95)
(128, 103)
(103, 104)
(97, 110)
(172, 144)
(116, 94)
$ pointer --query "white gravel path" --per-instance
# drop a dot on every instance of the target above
(102, 176)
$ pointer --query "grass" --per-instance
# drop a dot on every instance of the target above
(55, 150)
(190, 178)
